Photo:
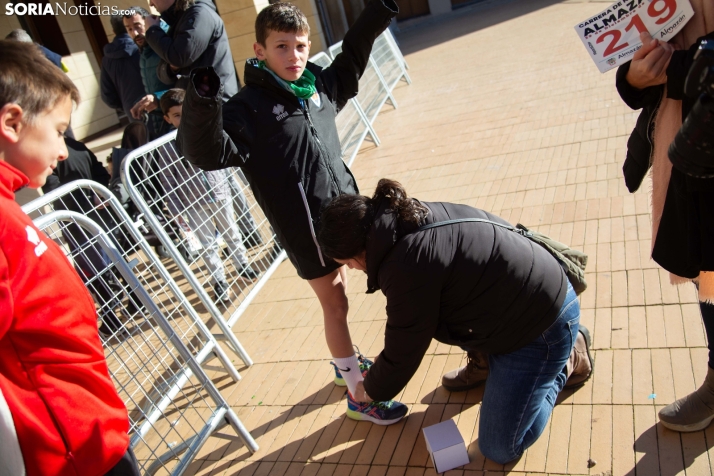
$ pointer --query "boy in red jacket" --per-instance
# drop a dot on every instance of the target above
(59, 411)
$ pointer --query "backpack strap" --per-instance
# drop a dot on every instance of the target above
(572, 261)
(525, 233)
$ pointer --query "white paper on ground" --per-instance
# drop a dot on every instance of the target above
(446, 446)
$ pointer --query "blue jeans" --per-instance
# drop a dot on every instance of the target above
(522, 387)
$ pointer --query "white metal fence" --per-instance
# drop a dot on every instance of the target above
(155, 344)
(385, 69)
(352, 123)
(210, 224)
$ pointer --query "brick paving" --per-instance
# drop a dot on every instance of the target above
(507, 113)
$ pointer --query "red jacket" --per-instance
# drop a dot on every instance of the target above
(68, 416)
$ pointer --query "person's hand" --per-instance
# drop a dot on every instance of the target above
(203, 86)
(148, 103)
(649, 63)
(151, 20)
(360, 394)
(98, 203)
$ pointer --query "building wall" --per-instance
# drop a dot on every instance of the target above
(7, 24)
(91, 115)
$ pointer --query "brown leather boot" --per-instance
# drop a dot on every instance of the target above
(580, 364)
(470, 376)
(693, 412)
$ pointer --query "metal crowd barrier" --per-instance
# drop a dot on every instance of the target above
(389, 60)
(395, 47)
(172, 404)
(373, 89)
(385, 69)
(117, 306)
(352, 123)
(211, 226)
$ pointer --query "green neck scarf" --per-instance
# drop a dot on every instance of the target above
(304, 87)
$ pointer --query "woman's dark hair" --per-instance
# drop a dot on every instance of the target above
(345, 222)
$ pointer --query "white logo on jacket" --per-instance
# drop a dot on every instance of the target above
(280, 112)
(34, 238)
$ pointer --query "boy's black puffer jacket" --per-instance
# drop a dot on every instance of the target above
(290, 154)
(474, 285)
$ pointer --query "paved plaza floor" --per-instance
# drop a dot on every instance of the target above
(507, 113)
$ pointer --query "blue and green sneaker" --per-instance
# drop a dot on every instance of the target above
(380, 413)
(364, 365)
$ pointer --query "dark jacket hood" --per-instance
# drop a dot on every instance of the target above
(171, 16)
(121, 47)
(382, 237)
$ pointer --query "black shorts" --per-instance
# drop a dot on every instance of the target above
(312, 268)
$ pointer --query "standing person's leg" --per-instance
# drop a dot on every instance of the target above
(330, 291)
(695, 411)
(246, 223)
(523, 385)
(225, 221)
(707, 311)
(201, 224)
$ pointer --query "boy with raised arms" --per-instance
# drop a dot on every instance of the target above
(280, 129)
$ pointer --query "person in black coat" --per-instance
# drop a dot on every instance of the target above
(473, 284)
(121, 85)
(92, 262)
(280, 130)
(196, 38)
(682, 202)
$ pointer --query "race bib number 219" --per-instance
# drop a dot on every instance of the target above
(612, 36)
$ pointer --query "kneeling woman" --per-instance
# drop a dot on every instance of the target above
(472, 284)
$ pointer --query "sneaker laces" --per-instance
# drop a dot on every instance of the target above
(383, 405)
(474, 359)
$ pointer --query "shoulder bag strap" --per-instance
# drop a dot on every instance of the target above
(475, 220)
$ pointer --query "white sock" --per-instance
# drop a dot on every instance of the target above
(349, 368)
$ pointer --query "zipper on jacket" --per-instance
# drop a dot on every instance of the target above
(306, 112)
(309, 221)
(650, 130)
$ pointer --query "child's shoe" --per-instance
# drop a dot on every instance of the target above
(249, 273)
(364, 365)
(222, 291)
(380, 413)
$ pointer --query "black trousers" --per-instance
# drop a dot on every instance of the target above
(127, 465)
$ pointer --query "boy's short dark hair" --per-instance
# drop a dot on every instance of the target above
(280, 17)
(117, 22)
(171, 98)
(31, 81)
